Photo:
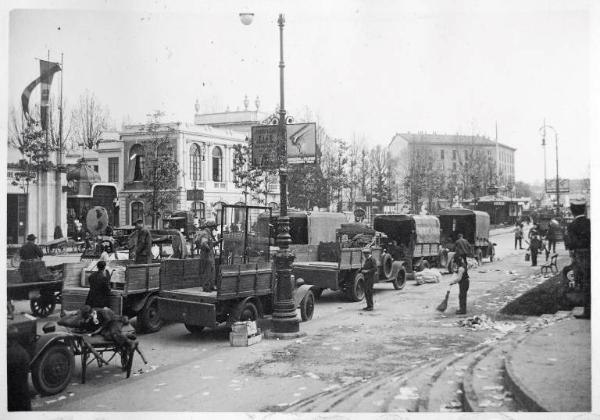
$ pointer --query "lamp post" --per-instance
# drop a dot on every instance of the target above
(543, 130)
(286, 324)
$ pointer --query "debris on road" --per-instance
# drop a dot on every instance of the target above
(407, 393)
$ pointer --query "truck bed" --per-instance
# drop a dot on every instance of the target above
(192, 294)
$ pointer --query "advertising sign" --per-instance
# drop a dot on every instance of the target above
(264, 146)
(563, 186)
(301, 142)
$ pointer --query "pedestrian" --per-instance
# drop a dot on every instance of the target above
(205, 243)
(578, 243)
(535, 244)
(30, 251)
(99, 294)
(462, 278)
(462, 247)
(17, 373)
(143, 248)
(368, 269)
(518, 236)
(31, 256)
(552, 235)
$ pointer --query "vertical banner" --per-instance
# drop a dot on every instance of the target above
(47, 70)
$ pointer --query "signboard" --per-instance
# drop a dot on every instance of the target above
(264, 147)
(301, 142)
(563, 186)
(195, 195)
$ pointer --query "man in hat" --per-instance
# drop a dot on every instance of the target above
(30, 251)
(578, 242)
(369, 269)
(143, 247)
(462, 278)
(205, 243)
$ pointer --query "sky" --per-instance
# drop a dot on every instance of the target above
(366, 69)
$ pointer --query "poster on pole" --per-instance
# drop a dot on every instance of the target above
(563, 186)
(264, 148)
(301, 142)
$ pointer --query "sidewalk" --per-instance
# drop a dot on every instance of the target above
(557, 357)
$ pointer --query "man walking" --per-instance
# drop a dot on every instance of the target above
(143, 247)
(579, 243)
(462, 247)
(462, 278)
(368, 269)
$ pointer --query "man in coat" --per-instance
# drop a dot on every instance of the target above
(205, 243)
(143, 247)
(462, 247)
(535, 244)
(369, 269)
(30, 251)
(99, 294)
(462, 278)
(579, 243)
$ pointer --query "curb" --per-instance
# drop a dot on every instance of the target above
(523, 396)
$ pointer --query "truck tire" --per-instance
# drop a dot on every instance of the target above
(400, 281)
(307, 306)
(149, 317)
(245, 311)
(51, 372)
(194, 329)
(386, 264)
(356, 289)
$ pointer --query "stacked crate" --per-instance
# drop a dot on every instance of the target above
(244, 334)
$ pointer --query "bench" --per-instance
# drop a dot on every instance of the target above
(551, 266)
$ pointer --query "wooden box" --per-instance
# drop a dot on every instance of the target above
(74, 298)
(242, 340)
(72, 273)
(142, 277)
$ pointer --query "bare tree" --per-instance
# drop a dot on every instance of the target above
(89, 120)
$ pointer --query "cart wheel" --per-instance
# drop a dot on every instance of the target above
(194, 329)
(307, 306)
(149, 316)
(400, 281)
(15, 261)
(43, 305)
(356, 291)
(51, 372)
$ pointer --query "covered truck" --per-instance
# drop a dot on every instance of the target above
(473, 225)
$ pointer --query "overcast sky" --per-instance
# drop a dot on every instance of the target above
(366, 68)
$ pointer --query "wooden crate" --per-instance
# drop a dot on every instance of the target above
(74, 298)
(142, 277)
(242, 340)
(72, 273)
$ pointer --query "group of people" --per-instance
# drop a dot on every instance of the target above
(538, 242)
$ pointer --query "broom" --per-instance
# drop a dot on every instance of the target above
(444, 305)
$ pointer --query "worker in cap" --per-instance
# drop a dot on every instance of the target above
(369, 268)
(578, 242)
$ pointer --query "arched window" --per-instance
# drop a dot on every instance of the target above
(137, 211)
(195, 162)
(217, 164)
(136, 163)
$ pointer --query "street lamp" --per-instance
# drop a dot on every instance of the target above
(286, 324)
(543, 130)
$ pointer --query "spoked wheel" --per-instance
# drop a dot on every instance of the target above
(400, 281)
(43, 305)
(194, 329)
(356, 290)
(51, 372)
(307, 306)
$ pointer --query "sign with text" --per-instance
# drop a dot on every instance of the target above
(195, 195)
(264, 146)
(563, 186)
(301, 142)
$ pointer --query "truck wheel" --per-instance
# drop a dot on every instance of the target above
(194, 329)
(400, 281)
(386, 263)
(149, 316)
(43, 305)
(245, 311)
(51, 372)
(307, 306)
(356, 291)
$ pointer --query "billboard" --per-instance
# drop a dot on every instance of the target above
(301, 144)
(563, 186)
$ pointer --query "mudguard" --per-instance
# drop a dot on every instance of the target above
(47, 340)
(396, 267)
(139, 305)
(300, 292)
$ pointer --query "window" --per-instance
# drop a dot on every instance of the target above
(217, 165)
(137, 211)
(113, 169)
(136, 162)
(96, 168)
(195, 162)
(454, 154)
(442, 154)
(199, 209)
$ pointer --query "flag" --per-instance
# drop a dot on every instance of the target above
(47, 70)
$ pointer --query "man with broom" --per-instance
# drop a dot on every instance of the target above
(462, 278)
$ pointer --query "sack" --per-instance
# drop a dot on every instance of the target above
(527, 256)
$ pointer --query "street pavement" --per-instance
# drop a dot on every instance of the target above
(343, 347)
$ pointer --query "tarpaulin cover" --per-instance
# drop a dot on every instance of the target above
(428, 229)
(399, 226)
(322, 226)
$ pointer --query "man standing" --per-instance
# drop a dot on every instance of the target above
(462, 278)
(368, 270)
(143, 248)
(30, 251)
(462, 247)
(578, 243)
(552, 235)
(535, 245)
(99, 294)
(205, 243)
(518, 236)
